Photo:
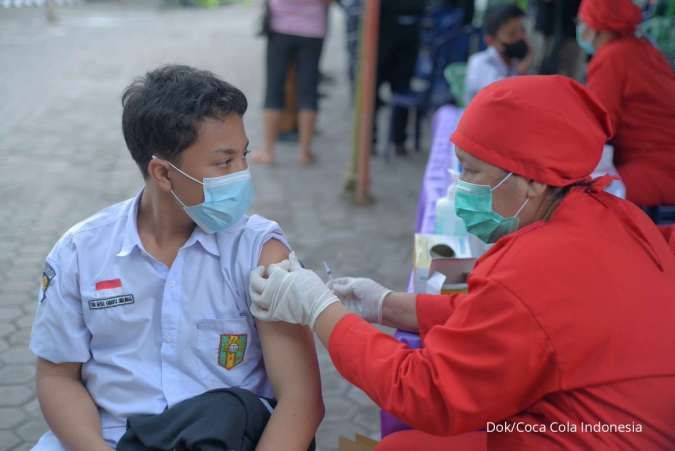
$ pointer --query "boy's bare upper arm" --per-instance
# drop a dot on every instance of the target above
(273, 251)
(288, 349)
(45, 368)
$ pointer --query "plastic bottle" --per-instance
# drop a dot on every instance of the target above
(447, 221)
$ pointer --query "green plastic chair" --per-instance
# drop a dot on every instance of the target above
(455, 74)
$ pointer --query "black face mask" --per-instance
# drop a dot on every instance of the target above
(517, 50)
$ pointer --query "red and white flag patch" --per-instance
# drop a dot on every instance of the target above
(108, 284)
(109, 294)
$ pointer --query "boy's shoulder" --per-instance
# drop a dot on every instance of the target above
(100, 224)
(480, 55)
(259, 224)
(249, 227)
(483, 57)
(249, 237)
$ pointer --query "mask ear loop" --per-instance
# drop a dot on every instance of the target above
(182, 204)
(502, 181)
(179, 170)
(527, 199)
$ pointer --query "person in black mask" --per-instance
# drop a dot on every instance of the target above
(508, 52)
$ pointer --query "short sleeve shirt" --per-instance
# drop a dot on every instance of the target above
(149, 336)
(485, 68)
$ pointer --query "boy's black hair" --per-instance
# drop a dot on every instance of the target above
(498, 15)
(163, 109)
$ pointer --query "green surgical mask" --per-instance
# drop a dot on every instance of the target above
(473, 203)
(586, 46)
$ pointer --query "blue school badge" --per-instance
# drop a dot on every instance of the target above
(48, 274)
(231, 350)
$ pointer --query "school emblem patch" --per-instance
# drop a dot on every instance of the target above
(48, 274)
(231, 350)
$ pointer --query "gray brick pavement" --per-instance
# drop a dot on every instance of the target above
(62, 157)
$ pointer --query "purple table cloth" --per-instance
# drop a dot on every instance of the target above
(441, 158)
(434, 185)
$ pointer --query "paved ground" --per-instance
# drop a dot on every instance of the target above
(62, 158)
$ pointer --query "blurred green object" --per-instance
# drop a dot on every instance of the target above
(455, 74)
(670, 8)
(661, 31)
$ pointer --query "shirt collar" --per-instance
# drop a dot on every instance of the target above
(208, 241)
(501, 65)
(131, 238)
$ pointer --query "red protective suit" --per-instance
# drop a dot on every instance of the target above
(669, 235)
(568, 323)
(636, 85)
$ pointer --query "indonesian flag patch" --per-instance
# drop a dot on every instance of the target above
(108, 285)
(109, 294)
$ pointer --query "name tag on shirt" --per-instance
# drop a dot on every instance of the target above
(125, 299)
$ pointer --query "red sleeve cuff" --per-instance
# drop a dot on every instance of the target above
(432, 310)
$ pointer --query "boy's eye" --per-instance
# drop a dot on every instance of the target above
(229, 161)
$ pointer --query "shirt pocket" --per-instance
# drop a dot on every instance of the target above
(227, 352)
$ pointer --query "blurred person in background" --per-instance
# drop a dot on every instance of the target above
(635, 83)
(353, 10)
(558, 52)
(508, 52)
(295, 32)
(399, 42)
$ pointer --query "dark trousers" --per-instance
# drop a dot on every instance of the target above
(282, 51)
(397, 55)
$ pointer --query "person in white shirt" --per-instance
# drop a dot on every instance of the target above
(146, 304)
(508, 52)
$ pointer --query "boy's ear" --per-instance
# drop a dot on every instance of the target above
(489, 39)
(158, 172)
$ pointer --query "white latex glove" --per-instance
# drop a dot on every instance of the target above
(290, 293)
(362, 296)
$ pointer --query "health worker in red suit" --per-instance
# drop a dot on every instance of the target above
(568, 322)
(636, 85)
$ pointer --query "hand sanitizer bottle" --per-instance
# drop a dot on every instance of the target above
(447, 221)
(449, 224)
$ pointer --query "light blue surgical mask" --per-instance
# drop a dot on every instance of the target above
(226, 200)
(586, 46)
(473, 203)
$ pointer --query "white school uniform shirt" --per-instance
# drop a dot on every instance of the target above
(149, 336)
(484, 68)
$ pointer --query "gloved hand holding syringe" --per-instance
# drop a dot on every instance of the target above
(360, 295)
